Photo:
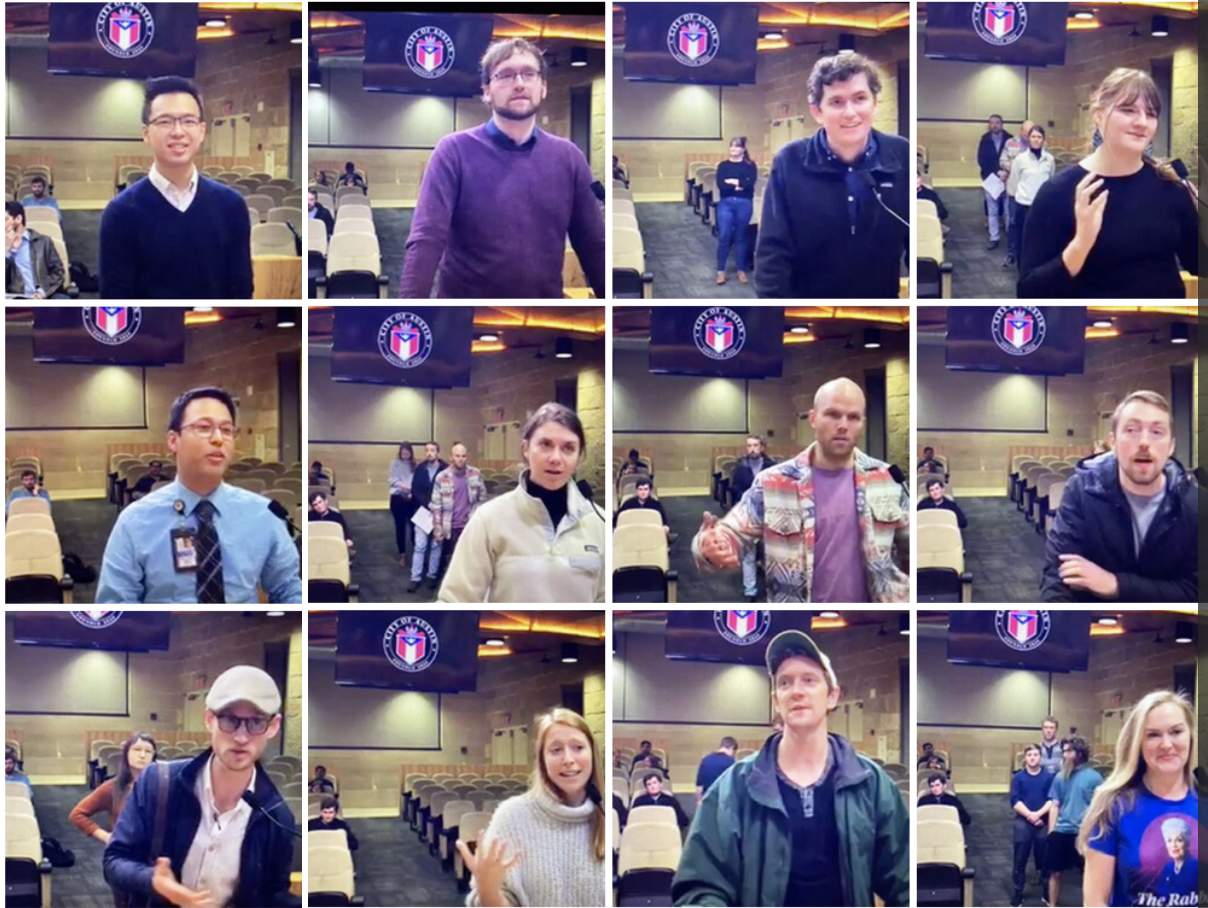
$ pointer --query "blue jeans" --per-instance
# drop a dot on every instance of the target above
(995, 208)
(425, 545)
(733, 218)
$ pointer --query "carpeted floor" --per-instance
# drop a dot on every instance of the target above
(1003, 551)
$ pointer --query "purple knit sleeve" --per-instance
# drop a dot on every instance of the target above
(430, 226)
(587, 226)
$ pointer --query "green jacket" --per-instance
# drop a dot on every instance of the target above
(739, 847)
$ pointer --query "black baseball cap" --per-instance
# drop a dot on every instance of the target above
(792, 643)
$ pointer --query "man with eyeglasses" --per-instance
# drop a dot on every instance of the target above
(176, 234)
(499, 201)
(1128, 526)
(807, 820)
(198, 539)
(225, 831)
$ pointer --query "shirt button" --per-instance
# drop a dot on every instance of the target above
(850, 198)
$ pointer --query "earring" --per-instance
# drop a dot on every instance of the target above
(1096, 138)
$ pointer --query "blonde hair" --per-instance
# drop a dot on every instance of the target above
(1125, 86)
(561, 716)
(1117, 795)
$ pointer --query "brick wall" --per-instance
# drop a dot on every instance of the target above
(656, 168)
(505, 387)
(684, 463)
(519, 686)
(868, 668)
(1114, 367)
(200, 642)
(555, 113)
(230, 354)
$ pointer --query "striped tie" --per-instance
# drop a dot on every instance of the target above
(209, 557)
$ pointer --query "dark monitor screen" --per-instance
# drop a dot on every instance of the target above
(728, 635)
(131, 40)
(109, 335)
(1030, 340)
(705, 43)
(431, 651)
(425, 53)
(1020, 34)
(722, 341)
(109, 630)
(1048, 640)
(416, 346)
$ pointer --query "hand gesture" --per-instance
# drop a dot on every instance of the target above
(164, 882)
(1088, 208)
(437, 533)
(489, 866)
(715, 544)
(1078, 573)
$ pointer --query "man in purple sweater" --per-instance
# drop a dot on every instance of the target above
(499, 201)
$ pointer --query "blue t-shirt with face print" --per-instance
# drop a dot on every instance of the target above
(1156, 847)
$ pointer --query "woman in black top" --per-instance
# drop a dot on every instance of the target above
(736, 189)
(1118, 224)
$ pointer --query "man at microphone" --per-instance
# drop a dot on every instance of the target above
(834, 522)
(836, 207)
(211, 830)
(198, 539)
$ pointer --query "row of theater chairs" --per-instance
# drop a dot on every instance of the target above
(943, 875)
(625, 757)
(618, 462)
(1037, 487)
(641, 565)
(934, 269)
(646, 854)
(334, 198)
(27, 873)
(630, 279)
(33, 557)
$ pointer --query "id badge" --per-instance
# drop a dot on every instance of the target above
(184, 550)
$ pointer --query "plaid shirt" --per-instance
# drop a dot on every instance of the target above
(779, 510)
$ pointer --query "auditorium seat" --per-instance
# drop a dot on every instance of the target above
(652, 813)
(935, 517)
(934, 270)
(939, 813)
(276, 193)
(646, 863)
(284, 215)
(328, 571)
(630, 279)
(470, 830)
(1019, 479)
(38, 214)
(329, 877)
(355, 225)
(359, 212)
(244, 170)
(17, 522)
(33, 566)
(252, 186)
(273, 239)
(27, 874)
(941, 571)
(641, 567)
(354, 269)
(450, 829)
(261, 204)
(1040, 502)
(637, 515)
(895, 770)
(436, 805)
(1031, 480)
(943, 878)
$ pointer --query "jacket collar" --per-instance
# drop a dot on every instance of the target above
(847, 770)
(1101, 478)
(263, 786)
(863, 462)
(820, 158)
(576, 505)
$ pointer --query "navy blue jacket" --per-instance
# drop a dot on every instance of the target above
(1095, 521)
(265, 859)
(421, 486)
(807, 246)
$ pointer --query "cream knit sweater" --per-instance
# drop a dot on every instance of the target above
(557, 866)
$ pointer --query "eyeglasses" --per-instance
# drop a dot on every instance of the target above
(207, 429)
(506, 77)
(255, 725)
(165, 123)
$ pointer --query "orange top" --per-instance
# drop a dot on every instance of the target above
(103, 799)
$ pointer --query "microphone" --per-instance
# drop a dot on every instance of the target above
(279, 510)
(1184, 176)
(254, 803)
(868, 178)
(895, 473)
(584, 488)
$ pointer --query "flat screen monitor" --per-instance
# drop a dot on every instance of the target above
(1015, 33)
(123, 40)
(1047, 640)
(415, 346)
(132, 632)
(425, 53)
(740, 636)
(109, 335)
(722, 341)
(418, 650)
(1030, 340)
(705, 43)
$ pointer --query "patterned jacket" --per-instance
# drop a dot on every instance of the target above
(442, 497)
(779, 511)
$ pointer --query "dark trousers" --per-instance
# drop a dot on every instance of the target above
(450, 544)
(1029, 840)
(1019, 218)
(402, 510)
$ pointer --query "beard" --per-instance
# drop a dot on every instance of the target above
(507, 112)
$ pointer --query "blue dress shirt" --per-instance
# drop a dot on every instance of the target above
(256, 549)
(22, 492)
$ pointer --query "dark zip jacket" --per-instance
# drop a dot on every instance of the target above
(808, 246)
(740, 845)
(421, 485)
(1095, 521)
(265, 858)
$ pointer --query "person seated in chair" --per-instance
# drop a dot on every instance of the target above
(656, 797)
(147, 482)
(32, 267)
(327, 820)
(642, 500)
(320, 784)
(936, 783)
(936, 499)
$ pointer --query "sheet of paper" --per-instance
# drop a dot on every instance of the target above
(993, 185)
(423, 519)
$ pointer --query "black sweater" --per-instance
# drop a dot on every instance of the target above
(807, 247)
(743, 171)
(150, 250)
(1149, 228)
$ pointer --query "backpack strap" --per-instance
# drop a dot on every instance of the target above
(161, 812)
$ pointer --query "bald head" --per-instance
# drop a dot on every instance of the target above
(840, 387)
(837, 420)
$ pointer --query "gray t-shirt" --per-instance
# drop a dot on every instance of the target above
(1144, 510)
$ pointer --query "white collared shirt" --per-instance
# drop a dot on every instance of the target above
(212, 863)
(180, 200)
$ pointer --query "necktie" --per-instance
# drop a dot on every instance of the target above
(209, 557)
